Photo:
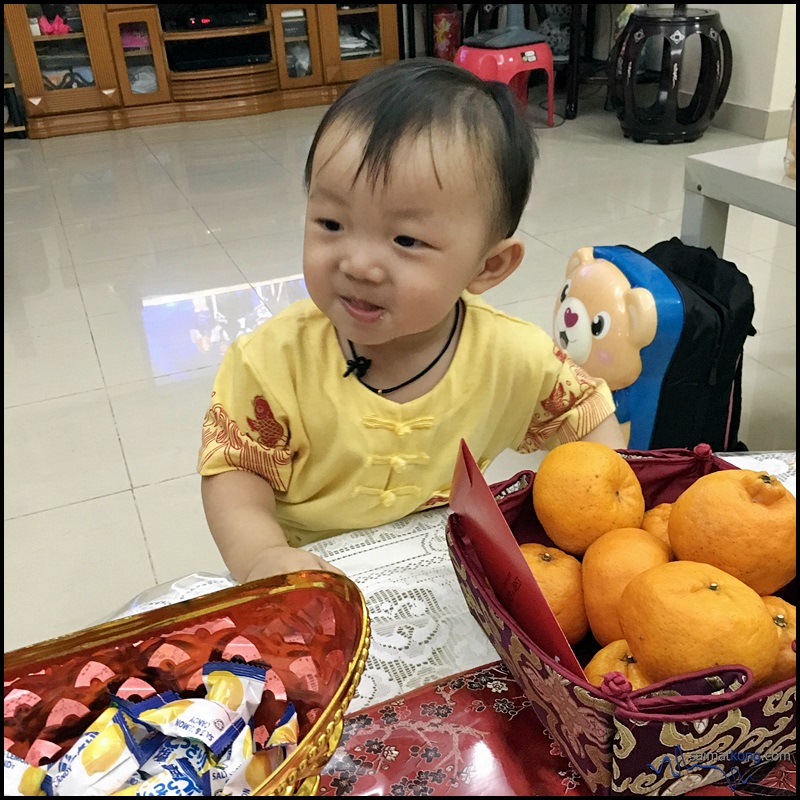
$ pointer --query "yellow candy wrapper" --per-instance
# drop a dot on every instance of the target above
(171, 750)
(177, 779)
(20, 779)
(243, 770)
(232, 762)
(102, 761)
(233, 693)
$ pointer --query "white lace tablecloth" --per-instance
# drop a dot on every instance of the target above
(422, 630)
(780, 464)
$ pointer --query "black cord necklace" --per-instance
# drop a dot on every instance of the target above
(359, 365)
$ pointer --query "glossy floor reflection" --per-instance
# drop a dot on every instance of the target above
(133, 257)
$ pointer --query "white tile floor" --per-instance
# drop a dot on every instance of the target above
(114, 240)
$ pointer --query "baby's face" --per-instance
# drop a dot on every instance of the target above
(390, 261)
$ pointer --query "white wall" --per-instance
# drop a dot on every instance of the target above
(786, 61)
(761, 37)
(763, 40)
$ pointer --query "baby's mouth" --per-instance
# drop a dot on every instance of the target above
(361, 305)
(362, 310)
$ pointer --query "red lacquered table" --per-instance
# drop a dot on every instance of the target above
(475, 734)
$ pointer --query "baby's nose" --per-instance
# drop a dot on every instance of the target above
(362, 265)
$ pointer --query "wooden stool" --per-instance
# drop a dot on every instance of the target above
(664, 119)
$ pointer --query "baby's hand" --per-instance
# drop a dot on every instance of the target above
(282, 559)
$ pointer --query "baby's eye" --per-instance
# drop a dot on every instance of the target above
(330, 225)
(408, 241)
(565, 291)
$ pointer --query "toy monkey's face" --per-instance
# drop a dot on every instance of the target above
(601, 321)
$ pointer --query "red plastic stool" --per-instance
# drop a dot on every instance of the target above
(511, 66)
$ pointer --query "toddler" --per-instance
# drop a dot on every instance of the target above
(346, 410)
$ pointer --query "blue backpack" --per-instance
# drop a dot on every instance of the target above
(690, 388)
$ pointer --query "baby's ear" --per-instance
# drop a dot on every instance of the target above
(500, 262)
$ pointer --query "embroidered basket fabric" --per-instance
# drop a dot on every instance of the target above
(636, 743)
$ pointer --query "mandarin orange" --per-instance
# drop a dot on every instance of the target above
(609, 564)
(656, 521)
(616, 657)
(742, 522)
(583, 490)
(684, 616)
(784, 616)
(559, 577)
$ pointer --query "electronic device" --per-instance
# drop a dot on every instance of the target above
(200, 16)
(217, 52)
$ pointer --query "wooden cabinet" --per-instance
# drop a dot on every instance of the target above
(356, 39)
(62, 72)
(327, 43)
(221, 65)
(297, 45)
(135, 37)
(128, 64)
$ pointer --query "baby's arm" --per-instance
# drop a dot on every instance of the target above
(607, 432)
(240, 509)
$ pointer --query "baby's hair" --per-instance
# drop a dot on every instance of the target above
(414, 98)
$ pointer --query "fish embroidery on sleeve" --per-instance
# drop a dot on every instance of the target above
(267, 455)
(270, 432)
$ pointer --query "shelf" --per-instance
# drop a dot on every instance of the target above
(15, 122)
(352, 54)
(134, 53)
(295, 38)
(344, 12)
(215, 33)
(221, 72)
(69, 58)
(57, 37)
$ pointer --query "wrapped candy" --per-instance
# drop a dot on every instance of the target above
(176, 778)
(21, 779)
(101, 761)
(233, 694)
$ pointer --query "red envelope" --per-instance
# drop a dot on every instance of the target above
(509, 574)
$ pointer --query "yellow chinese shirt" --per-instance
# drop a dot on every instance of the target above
(340, 457)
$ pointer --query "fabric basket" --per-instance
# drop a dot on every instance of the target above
(668, 738)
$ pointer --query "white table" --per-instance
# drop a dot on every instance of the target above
(749, 177)
(421, 628)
